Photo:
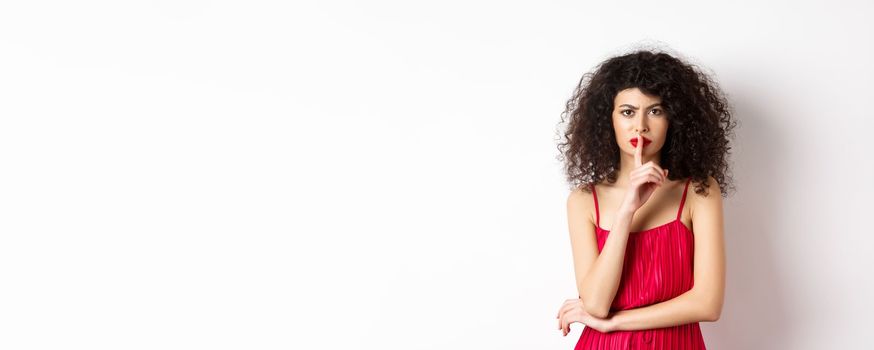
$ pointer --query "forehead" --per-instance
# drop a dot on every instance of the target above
(635, 97)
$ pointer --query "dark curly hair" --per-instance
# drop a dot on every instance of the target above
(699, 116)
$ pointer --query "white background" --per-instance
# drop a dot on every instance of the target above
(382, 175)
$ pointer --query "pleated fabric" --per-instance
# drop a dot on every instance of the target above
(658, 267)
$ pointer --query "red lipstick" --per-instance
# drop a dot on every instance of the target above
(646, 141)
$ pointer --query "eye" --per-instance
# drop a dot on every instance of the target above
(656, 111)
(625, 110)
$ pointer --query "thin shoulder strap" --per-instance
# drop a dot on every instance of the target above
(597, 214)
(683, 201)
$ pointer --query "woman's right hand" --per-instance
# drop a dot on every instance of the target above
(644, 180)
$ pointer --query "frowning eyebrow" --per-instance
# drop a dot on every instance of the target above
(635, 108)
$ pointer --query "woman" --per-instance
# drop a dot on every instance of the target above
(645, 218)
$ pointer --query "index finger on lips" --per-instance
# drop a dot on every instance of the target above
(638, 151)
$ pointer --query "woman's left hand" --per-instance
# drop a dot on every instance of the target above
(573, 311)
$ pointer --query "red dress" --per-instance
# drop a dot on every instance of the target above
(657, 267)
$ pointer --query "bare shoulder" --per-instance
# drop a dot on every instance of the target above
(580, 199)
(712, 198)
(580, 204)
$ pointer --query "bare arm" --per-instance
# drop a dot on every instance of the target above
(683, 309)
(597, 275)
(704, 301)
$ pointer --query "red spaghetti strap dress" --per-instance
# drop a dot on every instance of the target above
(657, 267)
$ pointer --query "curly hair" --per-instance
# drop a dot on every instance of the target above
(699, 120)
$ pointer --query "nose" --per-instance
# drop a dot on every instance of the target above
(641, 126)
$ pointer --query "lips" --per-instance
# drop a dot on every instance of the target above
(646, 141)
